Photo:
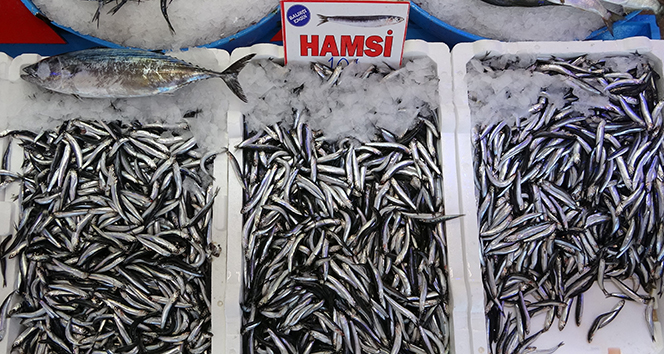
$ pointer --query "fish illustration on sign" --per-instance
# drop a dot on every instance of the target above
(362, 21)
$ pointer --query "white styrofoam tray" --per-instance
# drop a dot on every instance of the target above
(15, 91)
(460, 341)
(629, 331)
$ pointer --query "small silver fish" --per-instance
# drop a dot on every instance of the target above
(362, 21)
(120, 73)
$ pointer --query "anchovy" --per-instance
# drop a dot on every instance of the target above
(344, 242)
(105, 266)
(563, 201)
(604, 319)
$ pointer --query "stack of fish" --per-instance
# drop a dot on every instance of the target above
(568, 199)
(344, 242)
(113, 243)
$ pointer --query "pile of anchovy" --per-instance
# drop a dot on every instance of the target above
(569, 199)
(113, 240)
(344, 242)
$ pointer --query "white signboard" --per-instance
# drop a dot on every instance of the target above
(338, 32)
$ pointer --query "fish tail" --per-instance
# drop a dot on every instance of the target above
(164, 12)
(609, 25)
(323, 19)
(230, 76)
(117, 7)
(614, 9)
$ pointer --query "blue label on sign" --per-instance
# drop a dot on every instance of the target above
(298, 15)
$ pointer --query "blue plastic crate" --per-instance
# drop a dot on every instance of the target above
(265, 28)
(434, 29)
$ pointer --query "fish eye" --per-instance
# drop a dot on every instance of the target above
(43, 71)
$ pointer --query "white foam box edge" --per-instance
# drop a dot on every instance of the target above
(461, 339)
(9, 206)
(10, 70)
(629, 332)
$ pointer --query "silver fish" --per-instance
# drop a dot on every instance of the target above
(552, 185)
(118, 73)
(110, 267)
(343, 242)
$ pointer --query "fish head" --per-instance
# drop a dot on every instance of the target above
(393, 20)
(47, 73)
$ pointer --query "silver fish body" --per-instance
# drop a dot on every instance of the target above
(119, 73)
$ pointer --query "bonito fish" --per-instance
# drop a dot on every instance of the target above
(120, 73)
(594, 6)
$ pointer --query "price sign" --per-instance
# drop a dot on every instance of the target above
(338, 32)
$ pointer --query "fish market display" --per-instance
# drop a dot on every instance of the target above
(343, 242)
(570, 194)
(121, 73)
(157, 24)
(113, 241)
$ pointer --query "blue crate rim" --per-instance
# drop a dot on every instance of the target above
(421, 13)
(272, 18)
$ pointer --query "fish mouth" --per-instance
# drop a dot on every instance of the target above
(29, 71)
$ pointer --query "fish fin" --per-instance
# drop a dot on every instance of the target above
(117, 7)
(611, 18)
(230, 76)
(613, 8)
(100, 3)
(609, 25)
(323, 19)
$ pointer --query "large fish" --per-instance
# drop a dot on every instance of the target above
(594, 6)
(120, 73)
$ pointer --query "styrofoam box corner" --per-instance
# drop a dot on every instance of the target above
(10, 71)
(628, 332)
(461, 339)
(5, 60)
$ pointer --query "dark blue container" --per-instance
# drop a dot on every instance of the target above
(265, 28)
